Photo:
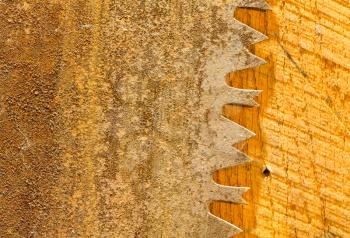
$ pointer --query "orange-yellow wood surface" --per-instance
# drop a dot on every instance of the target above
(302, 125)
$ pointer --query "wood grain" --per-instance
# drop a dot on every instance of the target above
(301, 125)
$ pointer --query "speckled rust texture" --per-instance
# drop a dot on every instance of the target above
(111, 119)
(29, 162)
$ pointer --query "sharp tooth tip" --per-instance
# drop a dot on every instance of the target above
(263, 5)
(252, 134)
(256, 60)
(248, 160)
(267, 7)
(259, 60)
(255, 104)
(225, 228)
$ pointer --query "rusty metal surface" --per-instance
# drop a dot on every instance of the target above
(111, 116)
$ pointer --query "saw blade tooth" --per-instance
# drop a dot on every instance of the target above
(258, 4)
(242, 97)
(249, 35)
(222, 94)
(229, 133)
(218, 192)
(225, 160)
(220, 228)
(248, 60)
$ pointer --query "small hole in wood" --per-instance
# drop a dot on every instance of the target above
(266, 172)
